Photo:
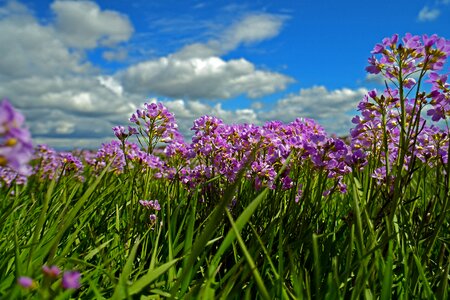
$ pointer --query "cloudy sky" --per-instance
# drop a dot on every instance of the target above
(77, 68)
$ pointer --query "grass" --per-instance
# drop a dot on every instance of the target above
(266, 246)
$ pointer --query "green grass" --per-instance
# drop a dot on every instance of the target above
(267, 246)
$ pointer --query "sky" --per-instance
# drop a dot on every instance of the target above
(75, 69)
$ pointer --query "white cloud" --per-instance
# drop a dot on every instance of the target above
(111, 84)
(61, 94)
(253, 28)
(28, 48)
(197, 72)
(76, 95)
(82, 24)
(14, 8)
(248, 30)
(202, 78)
(428, 14)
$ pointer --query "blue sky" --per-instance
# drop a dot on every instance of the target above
(77, 68)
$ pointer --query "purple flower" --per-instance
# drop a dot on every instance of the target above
(15, 141)
(374, 67)
(26, 282)
(379, 48)
(71, 280)
(409, 83)
(8, 177)
(153, 218)
(372, 94)
(152, 204)
(155, 125)
(121, 134)
(52, 271)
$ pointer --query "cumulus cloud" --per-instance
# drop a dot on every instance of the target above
(27, 48)
(428, 14)
(197, 72)
(82, 24)
(202, 78)
(75, 95)
(61, 93)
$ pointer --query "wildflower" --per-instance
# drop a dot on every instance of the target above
(152, 204)
(71, 165)
(9, 176)
(153, 218)
(15, 140)
(155, 124)
(26, 282)
(121, 134)
(71, 280)
(52, 271)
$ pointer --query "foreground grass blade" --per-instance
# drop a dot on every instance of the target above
(428, 292)
(386, 292)
(148, 278)
(248, 257)
(121, 290)
(242, 220)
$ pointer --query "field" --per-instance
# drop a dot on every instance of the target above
(279, 211)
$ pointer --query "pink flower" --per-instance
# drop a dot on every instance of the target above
(25, 282)
(71, 280)
(52, 271)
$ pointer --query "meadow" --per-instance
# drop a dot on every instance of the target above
(278, 211)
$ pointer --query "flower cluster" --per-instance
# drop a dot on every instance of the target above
(50, 163)
(412, 55)
(127, 154)
(416, 55)
(15, 144)
(155, 124)
(219, 149)
(153, 205)
(122, 134)
(391, 122)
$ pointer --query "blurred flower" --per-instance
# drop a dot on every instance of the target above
(26, 282)
(71, 280)
(52, 271)
(15, 140)
(121, 134)
(152, 204)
